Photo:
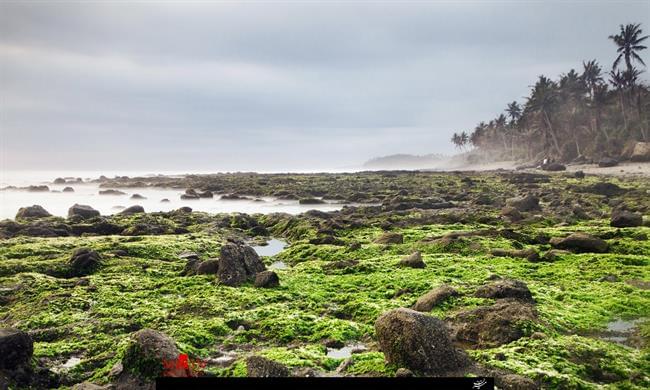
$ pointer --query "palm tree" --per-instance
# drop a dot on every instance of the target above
(629, 44)
(543, 100)
(514, 112)
(591, 76)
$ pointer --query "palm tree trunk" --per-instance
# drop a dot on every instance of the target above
(552, 134)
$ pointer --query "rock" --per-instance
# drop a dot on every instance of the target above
(524, 203)
(146, 353)
(511, 214)
(580, 243)
(133, 210)
(261, 367)
(16, 348)
(622, 218)
(553, 167)
(417, 341)
(604, 188)
(311, 201)
(82, 211)
(403, 373)
(505, 288)
(208, 267)
(90, 386)
(326, 240)
(111, 192)
(190, 196)
(553, 255)
(267, 279)
(68, 189)
(579, 174)
(529, 254)
(492, 326)
(390, 238)
(34, 211)
(164, 200)
(59, 180)
(237, 264)
(184, 210)
(206, 194)
(413, 260)
(515, 382)
(641, 152)
(137, 196)
(84, 261)
(434, 297)
(191, 266)
(606, 162)
(37, 188)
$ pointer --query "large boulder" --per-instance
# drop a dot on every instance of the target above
(82, 211)
(524, 203)
(208, 267)
(553, 167)
(641, 152)
(147, 352)
(84, 261)
(413, 260)
(261, 367)
(622, 218)
(434, 297)
(238, 264)
(16, 348)
(505, 288)
(417, 341)
(580, 243)
(390, 238)
(34, 211)
(491, 326)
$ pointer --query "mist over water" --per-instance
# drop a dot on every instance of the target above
(57, 202)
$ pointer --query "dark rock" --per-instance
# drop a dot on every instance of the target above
(554, 167)
(132, 210)
(524, 203)
(641, 152)
(390, 238)
(341, 264)
(34, 211)
(206, 194)
(267, 279)
(16, 348)
(82, 211)
(413, 260)
(237, 264)
(434, 297)
(111, 192)
(326, 240)
(403, 373)
(492, 326)
(84, 261)
(607, 162)
(68, 189)
(417, 341)
(579, 175)
(553, 255)
(261, 367)
(59, 180)
(37, 188)
(190, 196)
(165, 200)
(515, 382)
(146, 353)
(208, 267)
(311, 201)
(184, 210)
(511, 214)
(622, 218)
(505, 288)
(580, 243)
(138, 196)
(604, 188)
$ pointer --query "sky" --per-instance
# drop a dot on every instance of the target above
(275, 86)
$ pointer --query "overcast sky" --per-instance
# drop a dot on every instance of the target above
(274, 85)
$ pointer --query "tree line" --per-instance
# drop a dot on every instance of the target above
(581, 115)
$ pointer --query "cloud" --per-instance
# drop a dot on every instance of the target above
(280, 85)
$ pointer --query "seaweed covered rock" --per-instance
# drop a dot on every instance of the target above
(417, 341)
(208, 267)
(237, 264)
(84, 261)
(261, 367)
(82, 211)
(505, 288)
(390, 238)
(16, 348)
(414, 260)
(147, 352)
(491, 326)
(580, 243)
(529, 254)
(267, 279)
(622, 218)
(34, 211)
(434, 297)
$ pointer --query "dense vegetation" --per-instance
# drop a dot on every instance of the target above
(580, 114)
